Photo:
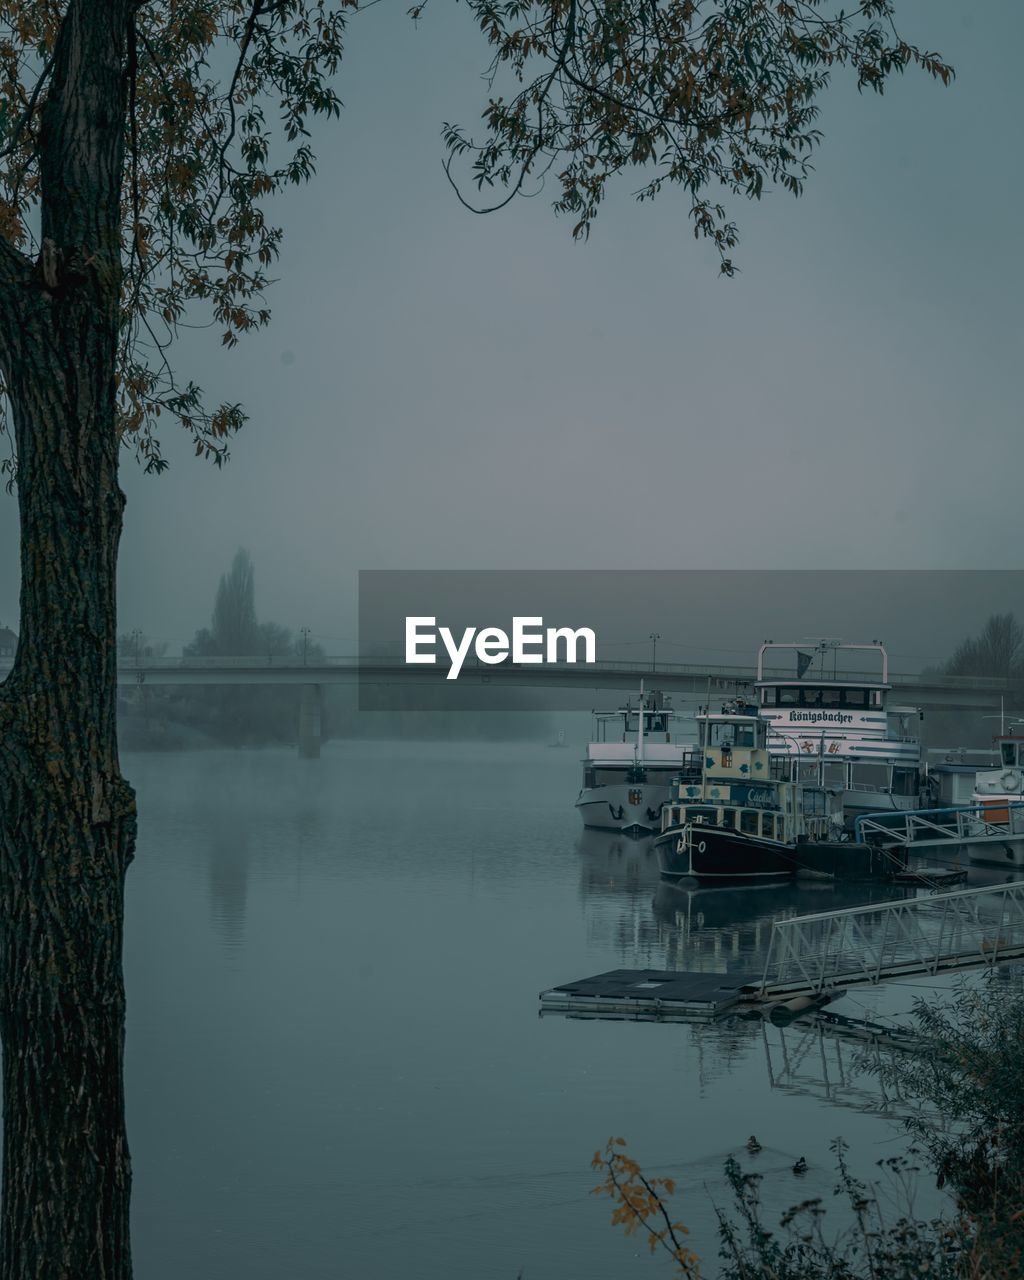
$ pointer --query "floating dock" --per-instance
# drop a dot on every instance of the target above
(650, 994)
(813, 958)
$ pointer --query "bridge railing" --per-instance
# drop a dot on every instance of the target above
(832, 949)
(736, 675)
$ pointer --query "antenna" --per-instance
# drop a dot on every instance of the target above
(640, 728)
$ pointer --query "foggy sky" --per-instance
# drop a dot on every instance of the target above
(439, 390)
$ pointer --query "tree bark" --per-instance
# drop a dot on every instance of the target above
(67, 817)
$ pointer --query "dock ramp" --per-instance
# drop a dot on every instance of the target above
(957, 829)
(823, 953)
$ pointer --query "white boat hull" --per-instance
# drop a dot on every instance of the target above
(623, 806)
(999, 853)
(1007, 851)
(857, 802)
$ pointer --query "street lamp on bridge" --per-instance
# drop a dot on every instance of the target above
(655, 637)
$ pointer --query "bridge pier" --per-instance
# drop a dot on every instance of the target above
(310, 707)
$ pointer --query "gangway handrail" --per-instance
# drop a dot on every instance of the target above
(873, 908)
(939, 932)
(879, 821)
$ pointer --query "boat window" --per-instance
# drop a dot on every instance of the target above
(821, 697)
(723, 734)
(789, 697)
(748, 821)
(745, 735)
(588, 778)
(768, 825)
(701, 813)
(876, 698)
(1008, 750)
(813, 802)
(834, 775)
(869, 777)
(780, 768)
(904, 782)
(609, 777)
(729, 818)
(855, 698)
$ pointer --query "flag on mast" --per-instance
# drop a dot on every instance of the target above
(803, 661)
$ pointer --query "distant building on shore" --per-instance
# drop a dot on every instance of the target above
(8, 642)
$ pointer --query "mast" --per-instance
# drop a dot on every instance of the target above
(640, 729)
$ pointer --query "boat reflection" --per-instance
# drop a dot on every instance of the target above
(612, 863)
(727, 930)
(618, 875)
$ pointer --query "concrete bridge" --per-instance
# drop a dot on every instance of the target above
(979, 695)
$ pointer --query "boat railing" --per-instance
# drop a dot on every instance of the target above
(799, 733)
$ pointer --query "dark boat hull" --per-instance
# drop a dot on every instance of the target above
(723, 854)
(717, 853)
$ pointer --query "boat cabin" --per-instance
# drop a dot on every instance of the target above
(994, 787)
(1010, 750)
(835, 722)
(621, 752)
(743, 787)
(624, 722)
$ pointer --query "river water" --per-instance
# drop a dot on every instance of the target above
(336, 1065)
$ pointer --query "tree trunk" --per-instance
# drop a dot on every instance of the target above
(67, 817)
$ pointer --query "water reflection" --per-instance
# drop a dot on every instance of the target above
(354, 1021)
(837, 1058)
(228, 880)
(727, 930)
(844, 1067)
(656, 924)
(616, 865)
(618, 874)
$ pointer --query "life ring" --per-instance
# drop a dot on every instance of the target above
(1010, 779)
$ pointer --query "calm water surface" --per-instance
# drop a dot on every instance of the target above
(336, 1065)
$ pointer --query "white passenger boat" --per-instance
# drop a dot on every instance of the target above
(626, 781)
(839, 725)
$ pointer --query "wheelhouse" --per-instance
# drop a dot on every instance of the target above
(1011, 751)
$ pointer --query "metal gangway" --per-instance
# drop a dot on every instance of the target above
(826, 952)
(955, 828)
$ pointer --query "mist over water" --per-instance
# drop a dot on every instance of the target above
(336, 1064)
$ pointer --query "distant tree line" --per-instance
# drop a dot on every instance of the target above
(259, 715)
(236, 632)
(997, 651)
(238, 715)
